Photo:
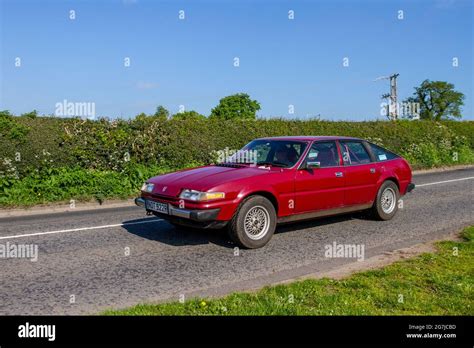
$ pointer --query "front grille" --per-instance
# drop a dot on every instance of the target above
(165, 198)
(175, 201)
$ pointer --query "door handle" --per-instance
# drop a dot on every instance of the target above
(372, 170)
(339, 174)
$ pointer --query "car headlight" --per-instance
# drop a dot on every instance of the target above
(148, 187)
(199, 196)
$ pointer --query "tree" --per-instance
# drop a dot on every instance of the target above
(161, 112)
(141, 115)
(438, 100)
(5, 113)
(31, 114)
(236, 106)
(188, 115)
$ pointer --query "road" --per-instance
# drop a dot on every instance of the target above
(113, 258)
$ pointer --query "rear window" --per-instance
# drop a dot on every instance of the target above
(382, 154)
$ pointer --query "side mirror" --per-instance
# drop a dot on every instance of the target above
(313, 165)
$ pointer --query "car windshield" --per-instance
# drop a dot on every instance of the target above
(279, 153)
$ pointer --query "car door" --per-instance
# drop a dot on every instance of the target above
(320, 188)
(361, 171)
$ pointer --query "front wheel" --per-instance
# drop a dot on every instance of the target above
(254, 223)
(386, 203)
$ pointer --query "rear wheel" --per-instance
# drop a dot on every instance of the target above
(254, 223)
(386, 203)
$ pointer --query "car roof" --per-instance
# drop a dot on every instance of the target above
(309, 138)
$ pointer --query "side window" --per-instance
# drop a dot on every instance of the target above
(324, 153)
(354, 152)
(381, 154)
(299, 148)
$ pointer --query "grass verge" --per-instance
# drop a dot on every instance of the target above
(440, 283)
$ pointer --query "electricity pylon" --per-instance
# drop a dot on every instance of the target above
(392, 111)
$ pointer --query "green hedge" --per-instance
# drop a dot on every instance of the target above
(45, 142)
(462, 128)
(64, 184)
(47, 159)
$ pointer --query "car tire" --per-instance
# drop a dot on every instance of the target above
(386, 203)
(254, 223)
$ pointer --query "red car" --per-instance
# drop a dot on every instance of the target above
(278, 180)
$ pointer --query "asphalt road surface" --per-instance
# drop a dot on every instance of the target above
(113, 258)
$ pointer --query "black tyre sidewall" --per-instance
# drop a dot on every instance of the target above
(377, 209)
(236, 226)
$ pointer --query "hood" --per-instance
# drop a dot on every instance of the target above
(202, 178)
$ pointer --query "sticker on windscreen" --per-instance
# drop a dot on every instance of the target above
(382, 157)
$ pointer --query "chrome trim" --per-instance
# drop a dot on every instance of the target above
(360, 164)
(313, 165)
(257, 222)
(200, 215)
(388, 200)
(140, 202)
(372, 162)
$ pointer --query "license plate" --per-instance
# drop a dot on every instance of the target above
(157, 206)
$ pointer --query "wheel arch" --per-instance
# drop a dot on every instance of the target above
(394, 179)
(389, 177)
(267, 194)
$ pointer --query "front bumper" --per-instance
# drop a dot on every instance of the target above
(206, 215)
(410, 187)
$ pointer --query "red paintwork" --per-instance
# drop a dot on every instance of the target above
(294, 191)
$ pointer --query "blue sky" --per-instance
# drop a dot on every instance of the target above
(190, 62)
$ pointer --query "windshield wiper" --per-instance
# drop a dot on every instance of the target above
(275, 164)
(231, 164)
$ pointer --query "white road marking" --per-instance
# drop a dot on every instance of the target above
(155, 220)
(442, 182)
(80, 229)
